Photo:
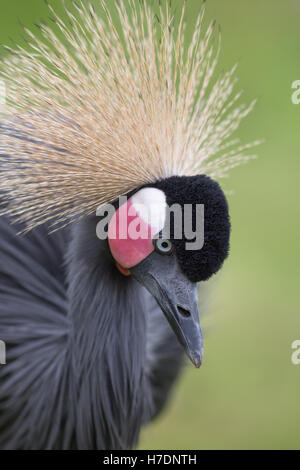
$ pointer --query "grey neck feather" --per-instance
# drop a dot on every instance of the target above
(108, 345)
(124, 354)
(91, 357)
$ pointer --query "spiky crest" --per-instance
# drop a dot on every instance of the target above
(95, 110)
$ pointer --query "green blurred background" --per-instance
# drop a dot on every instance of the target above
(246, 395)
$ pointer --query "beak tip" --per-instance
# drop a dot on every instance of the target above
(196, 360)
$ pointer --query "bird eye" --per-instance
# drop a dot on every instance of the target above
(163, 246)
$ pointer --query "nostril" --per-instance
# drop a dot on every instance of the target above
(185, 313)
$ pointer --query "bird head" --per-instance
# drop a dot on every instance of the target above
(110, 111)
(169, 236)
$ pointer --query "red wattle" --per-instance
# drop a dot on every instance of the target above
(124, 227)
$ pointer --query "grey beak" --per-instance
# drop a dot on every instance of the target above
(177, 297)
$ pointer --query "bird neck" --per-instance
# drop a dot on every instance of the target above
(107, 344)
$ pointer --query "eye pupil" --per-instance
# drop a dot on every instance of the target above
(164, 247)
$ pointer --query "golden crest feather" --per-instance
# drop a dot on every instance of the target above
(95, 110)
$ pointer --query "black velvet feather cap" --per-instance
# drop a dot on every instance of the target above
(199, 265)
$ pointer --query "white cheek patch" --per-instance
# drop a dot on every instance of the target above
(135, 224)
(150, 204)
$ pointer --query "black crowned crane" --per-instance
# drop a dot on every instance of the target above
(96, 329)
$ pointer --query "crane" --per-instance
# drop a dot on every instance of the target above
(101, 106)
